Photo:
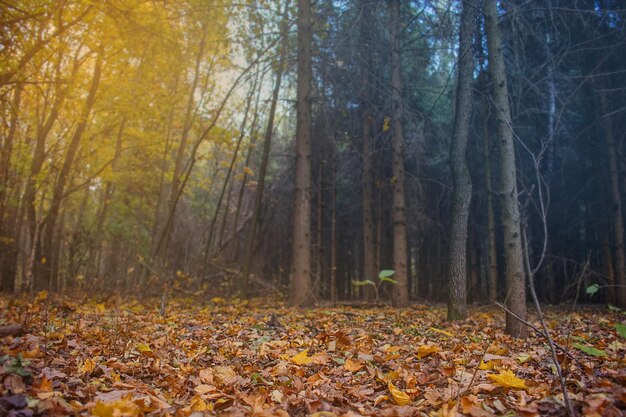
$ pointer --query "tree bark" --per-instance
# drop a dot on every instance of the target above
(301, 269)
(492, 255)
(367, 178)
(400, 294)
(515, 275)
(9, 222)
(461, 179)
(616, 203)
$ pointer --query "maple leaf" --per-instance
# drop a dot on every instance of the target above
(426, 350)
(88, 365)
(507, 379)
(302, 358)
(401, 398)
(353, 366)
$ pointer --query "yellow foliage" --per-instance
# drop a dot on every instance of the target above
(119, 408)
(426, 350)
(507, 379)
(401, 398)
(302, 358)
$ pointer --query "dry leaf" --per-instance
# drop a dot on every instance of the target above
(507, 379)
(398, 396)
(353, 366)
(302, 358)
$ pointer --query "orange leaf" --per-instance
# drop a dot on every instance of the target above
(426, 350)
(353, 366)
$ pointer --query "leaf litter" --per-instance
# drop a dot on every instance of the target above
(235, 359)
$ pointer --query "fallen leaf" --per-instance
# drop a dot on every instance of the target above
(507, 379)
(353, 366)
(302, 358)
(401, 398)
(120, 408)
(426, 350)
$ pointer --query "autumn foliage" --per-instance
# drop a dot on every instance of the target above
(234, 358)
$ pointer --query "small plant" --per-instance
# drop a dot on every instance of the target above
(383, 276)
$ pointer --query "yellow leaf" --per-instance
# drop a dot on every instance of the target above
(426, 350)
(386, 124)
(441, 331)
(88, 366)
(41, 296)
(119, 408)
(353, 366)
(145, 350)
(523, 358)
(485, 366)
(302, 358)
(198, 404)
(398, 396)
(507, 379)
(100, 308)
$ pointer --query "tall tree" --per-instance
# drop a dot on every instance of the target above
(514, 253)
(616, 199)
(461, 179)
(367, 149)
(267, 143)
(301, 269)
(401, 289)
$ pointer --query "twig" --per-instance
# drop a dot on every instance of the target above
(482, 358)
(540, 333)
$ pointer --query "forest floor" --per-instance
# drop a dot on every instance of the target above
(235, 359)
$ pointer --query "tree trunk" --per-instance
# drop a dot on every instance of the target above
(9, 230)
(46, 273)
(267, 142)
(367, 182)
(333, 234)
(616, 203)
(400, 297)
(492, 255)
(231, 166)
(461, 179)
(515, 275)
(301, 269)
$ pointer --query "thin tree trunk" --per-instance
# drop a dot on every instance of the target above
(616, 203)
(9, 230)
(46, 273)
(301, 260)
(461, 179)
(333, 235)
(367, 183)
(106, 199)
(400, 292)
(319, 253)
(492, 267)
(231, 167)
(607, 261)
(267, 142)
(515, 275)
